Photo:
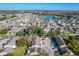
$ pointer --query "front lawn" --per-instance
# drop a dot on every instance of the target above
(4, 36)
(19, 51)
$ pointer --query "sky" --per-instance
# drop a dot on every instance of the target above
(40, 6)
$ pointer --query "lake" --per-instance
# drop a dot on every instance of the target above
(47, 18)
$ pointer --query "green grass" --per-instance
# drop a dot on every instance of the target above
(66, 35)
(4, 31)
(57, 54)
(20, 33)
(19, 51)
(3, 36)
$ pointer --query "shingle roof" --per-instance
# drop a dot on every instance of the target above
(59, 42)
(36, 41)
(63, 49)
(32, 49)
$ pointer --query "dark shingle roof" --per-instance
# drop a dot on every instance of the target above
(59, 41)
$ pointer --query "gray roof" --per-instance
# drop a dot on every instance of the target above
(32, 49)
(11, 42)
(2, 42)
(47, 42)
(48, 46)
(36, 41)
(6, 51)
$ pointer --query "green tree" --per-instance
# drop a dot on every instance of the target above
(52, 33)
(39, 31)
(57, 32)
(22, 41)
(36, 30)
(73, 44)
(20, 33)
(30, 30)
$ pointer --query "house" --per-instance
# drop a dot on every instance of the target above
(61, 45)
(41, 46)
(2, 43)
(35, 46)
(48, 47)
(6, 51)
(8, 46)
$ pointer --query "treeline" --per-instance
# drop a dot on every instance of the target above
(4, 17)
(40, 12)
(9, 11)
(58, 13)
(72, 43)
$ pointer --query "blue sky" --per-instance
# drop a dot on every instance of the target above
(40, 6)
